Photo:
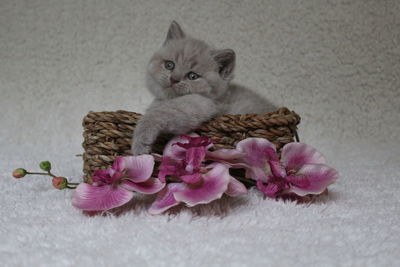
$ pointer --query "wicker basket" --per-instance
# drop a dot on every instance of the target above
(109, 134)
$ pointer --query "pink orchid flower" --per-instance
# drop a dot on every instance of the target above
(301, 170)
(114, 187)
(183, 157)
(193, 182)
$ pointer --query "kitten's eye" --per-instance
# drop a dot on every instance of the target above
(193, 76)
(169, 65)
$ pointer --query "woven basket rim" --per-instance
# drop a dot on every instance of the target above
(108, 134)
(280, 112)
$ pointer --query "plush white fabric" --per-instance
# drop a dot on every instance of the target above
(337, 63)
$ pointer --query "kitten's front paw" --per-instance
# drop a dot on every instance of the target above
(140, 149)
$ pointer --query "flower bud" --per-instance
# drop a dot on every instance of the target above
(19, 173)
(60, 182)
(45, 165)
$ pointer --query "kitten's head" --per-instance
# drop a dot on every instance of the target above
(185, 65)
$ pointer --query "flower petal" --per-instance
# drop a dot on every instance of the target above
(174, 151)
(257, 173)
(225, 154)
(90, 197)
(312, 179)
(214, 184)
(196, 141)
(150, 186)
(294, 155)
(269, 190)
(194, 156)
(103, 176)
(191, 178)
(258, 151)
(235, 188)
(136, 168)
(165, 199)
(170, 166)
(277, 169)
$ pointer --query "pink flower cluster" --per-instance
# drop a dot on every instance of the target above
(301, 169)
(114, 187)
(190, 173)
(193, 181)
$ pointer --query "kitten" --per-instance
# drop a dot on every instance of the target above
(191, 84)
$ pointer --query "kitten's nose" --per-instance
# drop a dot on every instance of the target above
(173, 80)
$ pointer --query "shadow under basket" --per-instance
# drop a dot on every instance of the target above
(108, 135)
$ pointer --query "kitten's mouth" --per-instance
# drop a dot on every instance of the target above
(179, 89)
(173, 86)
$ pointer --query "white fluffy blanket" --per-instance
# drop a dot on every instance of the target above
(356, 225)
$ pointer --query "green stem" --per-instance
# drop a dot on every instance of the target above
(71, 187)
(37, 173)
(73, 183)
(50, 174)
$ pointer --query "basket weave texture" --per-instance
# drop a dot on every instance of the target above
(109, 134)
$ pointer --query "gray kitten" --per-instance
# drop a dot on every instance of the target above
(191, 84)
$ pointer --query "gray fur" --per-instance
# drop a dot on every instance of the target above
(181, 104)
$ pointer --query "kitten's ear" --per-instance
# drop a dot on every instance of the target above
(226, 62)
(175, 32)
